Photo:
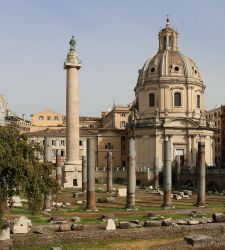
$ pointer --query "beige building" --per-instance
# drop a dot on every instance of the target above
(116, 118)
(46, 118)
(216, 117)
(106, 139)
(170, 104)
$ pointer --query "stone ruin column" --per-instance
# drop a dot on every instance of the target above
(201, 175)
(109, 172)
(91, 202)
(177, 169)
(59, 167)
(167, 174)
(131, 175)
(47, 149)
(156, 173)
(84, 167)
(47, 158)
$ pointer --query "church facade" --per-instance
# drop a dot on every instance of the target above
(169, 105)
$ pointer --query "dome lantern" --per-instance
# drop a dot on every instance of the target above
(168, 38)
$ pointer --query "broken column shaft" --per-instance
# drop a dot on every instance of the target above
(84, 173)
(84, 166)
(58, 166)
(177, 169)
(109, 172)
(167, 174)
(201, 175)
(47, 149)
(91, 203)
(47, 158)
(131, 175)
(156, 173)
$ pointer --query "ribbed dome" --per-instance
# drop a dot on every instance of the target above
(169, 62)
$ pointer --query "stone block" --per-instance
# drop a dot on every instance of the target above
(64, 227)
(167, 222)
(106, 199)
(192, 222)
(5, 232)
(122, 192)
(181, 222)
(21, 225)
(76, 219)
(110, 225)
(16, 201)
(187, 192)
(218, 217)
(57, 220)
(199, 240)
(77, 227)
(136, 223)
(38, 230)
(152, 223)
(128, 225)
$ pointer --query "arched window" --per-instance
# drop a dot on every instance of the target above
(151, 100)
(198, 101)
(177, 99)
(41, 118)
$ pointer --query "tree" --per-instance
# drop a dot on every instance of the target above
(20, 169)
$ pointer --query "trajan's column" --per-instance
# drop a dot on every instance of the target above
(72, 171)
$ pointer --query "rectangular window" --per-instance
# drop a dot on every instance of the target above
(80, 143)
(62, 142)
(75, 182)
(177, 99)
(49, 118)
(62, 153)
(198, 101)
(53, 142)
(151, 100)
(123, 124)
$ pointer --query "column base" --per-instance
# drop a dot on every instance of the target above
(72, 175)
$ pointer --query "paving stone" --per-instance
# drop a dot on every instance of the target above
(199, 240)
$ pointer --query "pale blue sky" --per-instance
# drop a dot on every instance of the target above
(115, 39)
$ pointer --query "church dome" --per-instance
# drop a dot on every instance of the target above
(169, 62)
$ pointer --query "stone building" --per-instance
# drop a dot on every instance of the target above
(117, 117)
(216, 117)
(46, 118)
(170, 106)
